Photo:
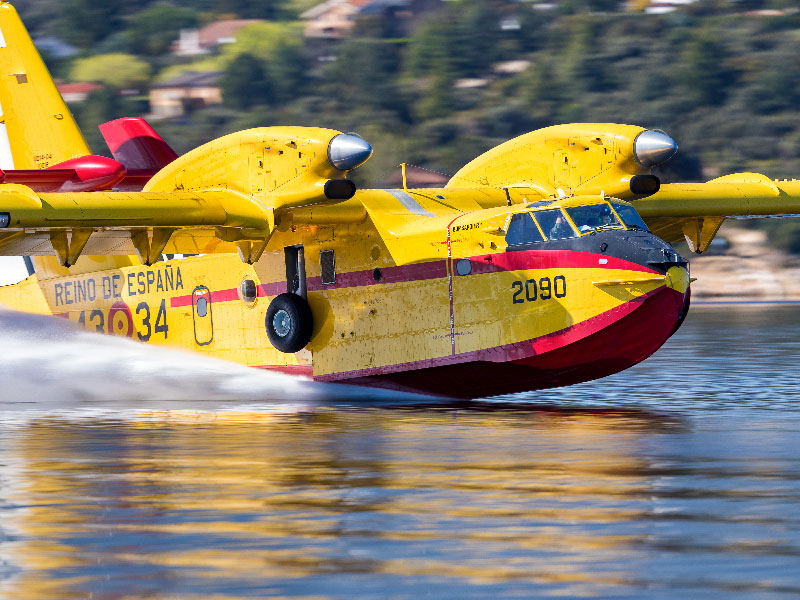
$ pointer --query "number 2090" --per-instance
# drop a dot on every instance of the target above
(541, 289)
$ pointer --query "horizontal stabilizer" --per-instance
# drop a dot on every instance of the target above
(86, 173)
(40, 180)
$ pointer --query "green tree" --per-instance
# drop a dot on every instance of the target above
(286, 68)
(705, 78)
(585, 67)
(263, 39)
(245, 83)
(116, 70)
(363, 73)
(544, 93)
(463, 40)
(532, 31)
(101, 106)
(428, 48)
(438, 101)
(154, 29)
(477, 35)
(253, 9)
(777, 86)
(85, 22)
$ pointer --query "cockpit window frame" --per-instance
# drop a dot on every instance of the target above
(547, 237)
(619, 216)
(530, 214)
(622, 226)
(576, 232)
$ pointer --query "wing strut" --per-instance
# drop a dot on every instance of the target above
(150, 244)
(69, 244)
(700, 232)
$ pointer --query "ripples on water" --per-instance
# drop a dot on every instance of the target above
(133, 472)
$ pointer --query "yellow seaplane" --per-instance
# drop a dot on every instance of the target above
(544, 262)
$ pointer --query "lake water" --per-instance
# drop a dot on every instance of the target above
(129, 472)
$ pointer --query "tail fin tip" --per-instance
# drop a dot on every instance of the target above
(135, 144)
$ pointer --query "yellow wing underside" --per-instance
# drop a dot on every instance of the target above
(193, 222)
(149, 223)
(695, 211)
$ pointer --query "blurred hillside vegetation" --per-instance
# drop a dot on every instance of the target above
(451, 79)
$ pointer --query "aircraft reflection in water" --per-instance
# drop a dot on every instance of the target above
(334, 503)
(267, 503)
(350, 504)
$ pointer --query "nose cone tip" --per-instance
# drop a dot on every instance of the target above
(677, 278)
(347, 151)
(653, 147)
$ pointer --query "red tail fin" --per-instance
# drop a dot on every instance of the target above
(136, 145)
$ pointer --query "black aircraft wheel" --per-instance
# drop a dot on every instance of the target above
(288, 323)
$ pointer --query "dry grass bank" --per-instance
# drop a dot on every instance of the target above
(748, 270)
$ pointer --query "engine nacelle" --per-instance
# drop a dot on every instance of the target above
(284, 167)
(578, 158)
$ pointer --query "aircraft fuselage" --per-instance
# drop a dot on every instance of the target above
(498, 301)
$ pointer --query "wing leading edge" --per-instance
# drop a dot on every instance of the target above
(695, 211)
(147, 223)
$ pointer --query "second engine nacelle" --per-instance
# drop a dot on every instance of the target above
(284, 167)
(578, 158)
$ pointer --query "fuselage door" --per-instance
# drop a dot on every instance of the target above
(201, 316)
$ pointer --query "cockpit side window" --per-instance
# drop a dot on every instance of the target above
(554, 224)
(522, 230)
(593, 217)
(629, 216)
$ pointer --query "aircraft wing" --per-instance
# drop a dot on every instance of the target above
(695, 211)
(146, 223)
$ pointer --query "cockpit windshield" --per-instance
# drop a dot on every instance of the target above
(594, 217)
(630, 217)
(522, 230)
(554, 224)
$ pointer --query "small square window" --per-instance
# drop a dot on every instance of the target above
(328, 267)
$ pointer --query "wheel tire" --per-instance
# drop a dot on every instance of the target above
(288, 323)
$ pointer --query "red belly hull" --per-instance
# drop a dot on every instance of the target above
(605, 345)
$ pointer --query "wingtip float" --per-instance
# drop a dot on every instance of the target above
(536, 266)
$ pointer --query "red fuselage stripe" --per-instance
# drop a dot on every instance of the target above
(488, 263)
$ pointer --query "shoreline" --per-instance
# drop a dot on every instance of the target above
(748, 272)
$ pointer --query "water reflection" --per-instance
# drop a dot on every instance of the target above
(680, 478)
(352, 503)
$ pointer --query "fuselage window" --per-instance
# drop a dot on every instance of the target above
(202, 307)
(554, 224)
(629, 216)
(522, 230)
(249, 291)
(593, 217)
(327, 267)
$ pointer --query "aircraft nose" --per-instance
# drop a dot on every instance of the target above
(347, 151)
(677, 278)
(653, 147)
